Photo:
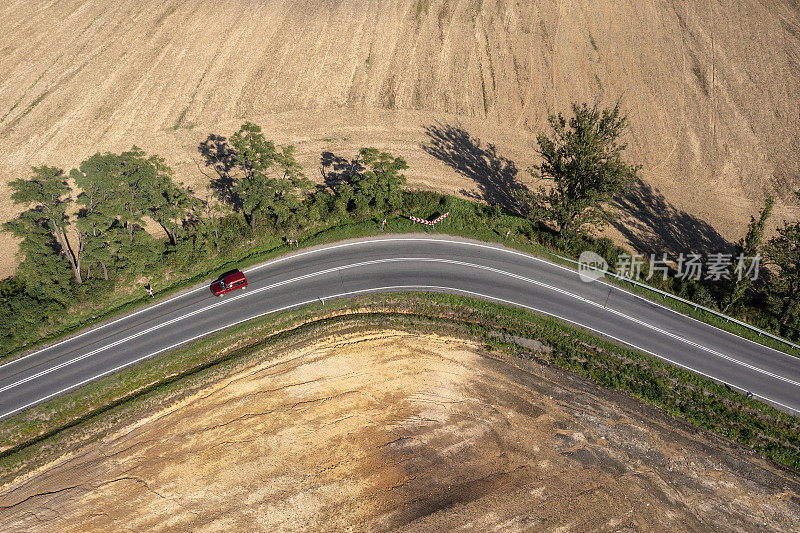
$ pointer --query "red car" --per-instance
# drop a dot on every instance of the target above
(228, 282)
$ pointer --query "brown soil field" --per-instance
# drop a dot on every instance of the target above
(458, 87)
(394, 430)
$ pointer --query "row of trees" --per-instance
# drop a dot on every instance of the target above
(581, 161)
(102, 227)
(783, 253)
(87, 228)
(84, 231)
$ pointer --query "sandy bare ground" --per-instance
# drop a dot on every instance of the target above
(418, 433)
(712, 90)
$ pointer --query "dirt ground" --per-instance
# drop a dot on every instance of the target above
(390, 430)
(712, 91)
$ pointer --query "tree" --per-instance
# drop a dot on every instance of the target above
(44, 269)
(272, 183)
(205, 220)
(583, 159)
(130, 179)
(97, 217)
(21, 314)
(747, 248)
(783, 252)
(290, 189)
(122, 184)
(340, 202)
(168, 204)
(379, 186)
(47, 195)
(253, 153)
(118, 192)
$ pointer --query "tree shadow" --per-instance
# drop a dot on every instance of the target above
(221, 157)
(495, 175)
(341, 170)
(653, 225)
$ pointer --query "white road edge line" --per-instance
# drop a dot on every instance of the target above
(376, 289)
(604, 282)
(400, 239)
(92, 330)
(172, 321)
(434, 239)
(397, 260)
(192, 291)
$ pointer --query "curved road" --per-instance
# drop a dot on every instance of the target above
(404, 263)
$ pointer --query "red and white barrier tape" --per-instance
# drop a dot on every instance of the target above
(429, 222)
(441, 218)
(421, 221)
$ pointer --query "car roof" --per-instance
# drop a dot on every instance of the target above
(234, 276)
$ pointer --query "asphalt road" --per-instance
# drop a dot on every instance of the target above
(443, 264)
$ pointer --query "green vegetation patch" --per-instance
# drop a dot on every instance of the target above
(28, 109)
(701, 77)
(11, 110)
(181, 118)
(421, 8)
(491, 64)
(593, 43)
(33, 104)
(483, 92)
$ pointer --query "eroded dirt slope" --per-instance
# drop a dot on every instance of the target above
(419, 433)
(712, 88)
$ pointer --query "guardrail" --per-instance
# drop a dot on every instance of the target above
(697, 306)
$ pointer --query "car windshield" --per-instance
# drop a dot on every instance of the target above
(222, 284)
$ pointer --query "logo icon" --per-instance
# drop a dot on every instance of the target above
(591, 266)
